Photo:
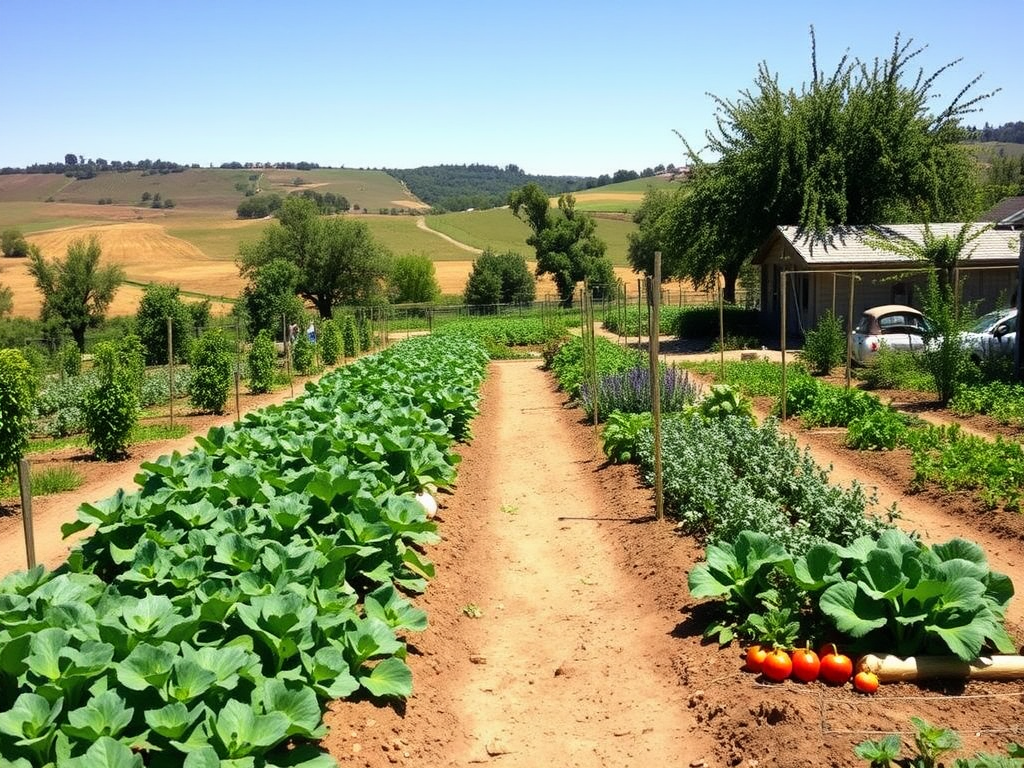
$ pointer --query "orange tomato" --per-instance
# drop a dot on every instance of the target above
(755, 658)
(866, 682)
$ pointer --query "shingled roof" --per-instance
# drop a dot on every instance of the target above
(848, 246)
(1007, 212)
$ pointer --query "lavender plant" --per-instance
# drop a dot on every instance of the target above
(630, 391)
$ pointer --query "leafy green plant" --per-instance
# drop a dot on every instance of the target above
(877, 430)
(70, 359)
(723, 401)
(912, 598)
(111, 406)
(303, 356)
(349, 336)
(262, 362)
(567, 363)
(825, 344)
(211, 372)
(739, 574)
(897, 369)
(17, 391)
(620, 433)
(881, 753)
(330, 342)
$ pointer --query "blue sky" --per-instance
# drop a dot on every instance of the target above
(557, 87)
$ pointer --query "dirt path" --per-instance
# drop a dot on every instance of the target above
(569, 661)
(421, 222)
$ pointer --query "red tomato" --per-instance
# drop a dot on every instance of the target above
(836, 668)
(777, 665)
(755, 658)
(805, 665)
(866, 682)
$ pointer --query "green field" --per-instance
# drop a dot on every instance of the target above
(401, 235)
(39, 217)
(205, 188)
(498, 229)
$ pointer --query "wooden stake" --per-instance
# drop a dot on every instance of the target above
(25, 486)
(782, 343)
(659, 496)
(170, 367)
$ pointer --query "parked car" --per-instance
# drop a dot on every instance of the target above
(993, 335)
(892, 325)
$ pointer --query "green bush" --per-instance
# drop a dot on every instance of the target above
(111, 407)
(365, 334)
(17, 392)
(70, 359)
(701, 322)
(330, 342)
(825, 345)
(303, 357)
(880, 430)
(349, 336)
(620, 434)
(897, 369)
(262, 363)
(211, 372)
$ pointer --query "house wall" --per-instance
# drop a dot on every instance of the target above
(809, 296)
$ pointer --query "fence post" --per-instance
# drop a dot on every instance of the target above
(238, 362)
(170, 368)
(654, 351)
(25, 486)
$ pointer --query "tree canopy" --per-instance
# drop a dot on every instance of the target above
(337, 259)
(566, 242)
(861, 145)
(500, 278)
(76, 291)
(413, 279)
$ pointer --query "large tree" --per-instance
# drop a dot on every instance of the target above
(862, 145)
(413, 279)
(337, 259)
(76, 290)
(566, 242)
(160, 302)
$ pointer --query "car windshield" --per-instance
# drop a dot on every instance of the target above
(987, 321)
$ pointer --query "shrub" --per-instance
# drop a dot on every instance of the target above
(349, 336)
(880, 430)
(262, 363)
(158, 303)
(303, 359)
(211, 372)
(825, 345)
(620, 434)
(70, 358)
(897, 369)
(701, 322)
(111, 407)
(17, 391)
(330, 342)
(365, 334)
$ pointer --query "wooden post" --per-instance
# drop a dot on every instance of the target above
(721, 329)
(639, 313)
(288, 354)
(782, 341)
(849, 334)
(238, 361)
(170, 368)
(25, 486)
(654, 328)
(1018, 356)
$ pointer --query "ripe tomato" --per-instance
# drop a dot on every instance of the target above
(805, 665)
(755, 658)
(777, 666)
(836, 668)
(865, 682)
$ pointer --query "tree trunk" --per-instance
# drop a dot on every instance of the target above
(325, 306)
(78, 334)
(729, 287)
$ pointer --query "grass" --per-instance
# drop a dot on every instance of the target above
(497, 228)
(143, 433)
(44, 482)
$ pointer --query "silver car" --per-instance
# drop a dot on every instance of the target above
(993, 335)
(892, 325)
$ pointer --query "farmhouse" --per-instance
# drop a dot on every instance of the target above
(819, 271)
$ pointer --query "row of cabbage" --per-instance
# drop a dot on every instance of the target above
(214, 612)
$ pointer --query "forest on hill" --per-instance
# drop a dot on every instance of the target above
(461, 187)
(1012, 133)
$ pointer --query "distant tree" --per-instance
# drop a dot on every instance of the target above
(146, 197)
(412, 279)
(500, 278)
(160, 302)
(13, 243)
(337, 259)
(647, 238)
(566, 243)
(70, 159)
(258, 206)
(76, 291)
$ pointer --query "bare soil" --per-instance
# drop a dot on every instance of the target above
(562, 632)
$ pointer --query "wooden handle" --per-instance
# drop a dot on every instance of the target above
(891, 668)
